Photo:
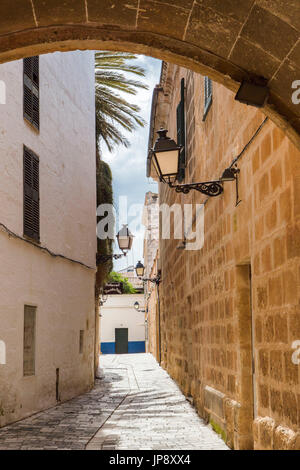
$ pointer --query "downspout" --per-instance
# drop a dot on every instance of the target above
(159, 324)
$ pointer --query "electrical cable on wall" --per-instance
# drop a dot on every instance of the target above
(236, 159)
(43, 248)
(249, 142)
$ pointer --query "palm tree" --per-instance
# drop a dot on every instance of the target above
(113, 112)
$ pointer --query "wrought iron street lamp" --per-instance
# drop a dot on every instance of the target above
(137, 307)
(125, 239)
(165, 155)
(140, 270)
(165, 159)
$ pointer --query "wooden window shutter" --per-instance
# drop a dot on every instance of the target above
(180, 115)
(31, 195)
(31, 90)
(207, 96)
(29, 340)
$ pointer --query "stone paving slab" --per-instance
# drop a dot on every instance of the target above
(135, 405)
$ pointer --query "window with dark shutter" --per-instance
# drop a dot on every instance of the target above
(207, 96)
(180, 113)
(31, 90)
(81, 336)
(31, 195)
(29, 340)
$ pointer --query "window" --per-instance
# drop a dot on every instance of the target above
(29, 340)
(31, 204)
(180, 114)
(207, 96)
(81, 336)
(2, 352)
(31, 102)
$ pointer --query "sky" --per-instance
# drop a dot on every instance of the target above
(128, 167)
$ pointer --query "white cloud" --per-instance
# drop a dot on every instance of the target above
(129, 165)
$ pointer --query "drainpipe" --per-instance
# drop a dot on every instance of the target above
(159, 324)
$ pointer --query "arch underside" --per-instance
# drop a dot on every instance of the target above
(225, 40)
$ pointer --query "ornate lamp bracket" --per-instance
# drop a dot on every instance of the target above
(209, 188)
(156, 280)
(100, 259)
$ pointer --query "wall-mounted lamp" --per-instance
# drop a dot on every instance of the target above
(137, 307)
(125, 239)
(140, 270)
(232, 174)
(252, 94)
(165, 158)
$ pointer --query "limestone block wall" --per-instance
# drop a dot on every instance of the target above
(150, 221)
(230, 311)
(62, 291)
(153, 312)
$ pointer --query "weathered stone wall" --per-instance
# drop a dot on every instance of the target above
(153, 313)
(151, 244)
(230, 311)
(62, 291)
(230, 41)
(151, 237)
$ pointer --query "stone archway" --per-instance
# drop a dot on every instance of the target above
(224, 39)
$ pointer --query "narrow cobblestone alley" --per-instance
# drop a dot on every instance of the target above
(135, 405)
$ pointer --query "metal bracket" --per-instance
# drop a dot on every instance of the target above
(156, 280)
(209, 188)
(101, 259)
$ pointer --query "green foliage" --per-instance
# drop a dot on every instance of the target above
(104, 196)
(113, 112)
(117, 277)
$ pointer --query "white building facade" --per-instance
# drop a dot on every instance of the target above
(47, 232)
(122, 327)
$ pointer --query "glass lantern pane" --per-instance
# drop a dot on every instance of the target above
(154, 164)
(123, 243)
(168, 162)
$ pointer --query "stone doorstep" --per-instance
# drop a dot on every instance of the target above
(269, 436)
(213, 401)
(214, 405)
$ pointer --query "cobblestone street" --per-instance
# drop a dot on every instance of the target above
(135, 405)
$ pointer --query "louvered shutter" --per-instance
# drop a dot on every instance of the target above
(31, 90)
(180, 114)
(207, 96)
(31, 195)
(29, 340)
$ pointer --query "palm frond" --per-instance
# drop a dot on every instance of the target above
(118, 61)
(113, 112)
(119, 82)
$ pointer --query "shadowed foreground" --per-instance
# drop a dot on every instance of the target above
(136, 405)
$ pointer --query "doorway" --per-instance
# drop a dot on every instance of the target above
(121, 340)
